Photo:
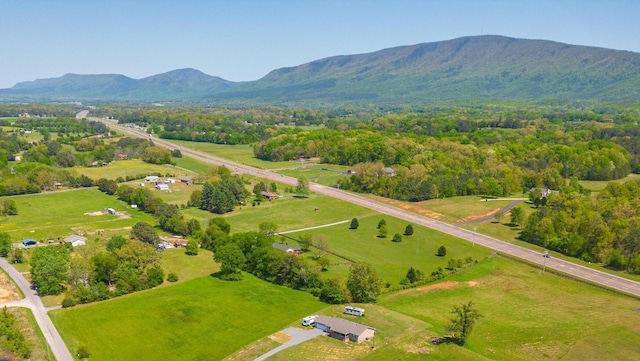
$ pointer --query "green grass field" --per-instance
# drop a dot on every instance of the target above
(242, 153)
(392, 260)
(525, 316)
(597, 186)
(201, 319)
(288, 213)
(60, 214)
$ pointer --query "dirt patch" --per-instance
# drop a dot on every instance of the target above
(280, 337)
(447, 284)
(95, 214)
(473, 283)
(419, 210)
(479, 216)
(8, 291)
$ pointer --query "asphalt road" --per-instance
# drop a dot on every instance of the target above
(608, 280)
(33, 302)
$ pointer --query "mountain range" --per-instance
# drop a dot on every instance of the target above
(468, 68)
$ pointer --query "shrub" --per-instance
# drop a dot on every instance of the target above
(172, 277)
(397, 238)
(68, 302)
(442, 251)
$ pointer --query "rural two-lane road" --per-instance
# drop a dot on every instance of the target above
(608, 280)
(33, 302)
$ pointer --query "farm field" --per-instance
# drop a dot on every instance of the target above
(201, 319)
(59, 214)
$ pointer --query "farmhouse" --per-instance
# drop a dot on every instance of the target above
(76, 240)
(344, 330)
(295, 250)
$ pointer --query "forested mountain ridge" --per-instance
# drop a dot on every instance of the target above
(477, 67)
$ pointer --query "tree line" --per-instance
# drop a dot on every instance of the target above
(605, 229)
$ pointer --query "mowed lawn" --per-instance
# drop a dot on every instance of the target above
(526, 315)
(201, 319)
(288, 213)
(393, 259)
(60, 214)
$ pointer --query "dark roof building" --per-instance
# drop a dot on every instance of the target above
(345, 330)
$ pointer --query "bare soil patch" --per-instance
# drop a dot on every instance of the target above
(447, 284)
(280, 337)
(419, 210)
(473, 283)
(8, 291)
(479, 216)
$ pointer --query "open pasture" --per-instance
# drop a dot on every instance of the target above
(201, 319)
(59, 214)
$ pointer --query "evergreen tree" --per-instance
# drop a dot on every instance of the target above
(408, 231)
(354, 224)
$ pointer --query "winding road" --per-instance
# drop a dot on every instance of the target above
(605, 279)
(33, 302)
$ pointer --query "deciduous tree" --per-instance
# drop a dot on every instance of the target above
(464, 318)
(363, 282)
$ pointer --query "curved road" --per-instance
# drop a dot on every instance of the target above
(591, 275)
(32, 301)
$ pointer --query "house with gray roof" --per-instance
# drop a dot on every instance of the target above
(345, 330)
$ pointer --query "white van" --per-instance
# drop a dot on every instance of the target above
(309, 320)
(349, 310)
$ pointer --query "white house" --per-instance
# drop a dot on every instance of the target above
(151, 178)
(76, 240)
(162, 187)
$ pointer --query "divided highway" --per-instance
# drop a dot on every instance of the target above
(611, 281)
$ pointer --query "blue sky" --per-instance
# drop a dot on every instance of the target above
(244, 40)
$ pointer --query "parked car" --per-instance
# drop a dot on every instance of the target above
(29, 242)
